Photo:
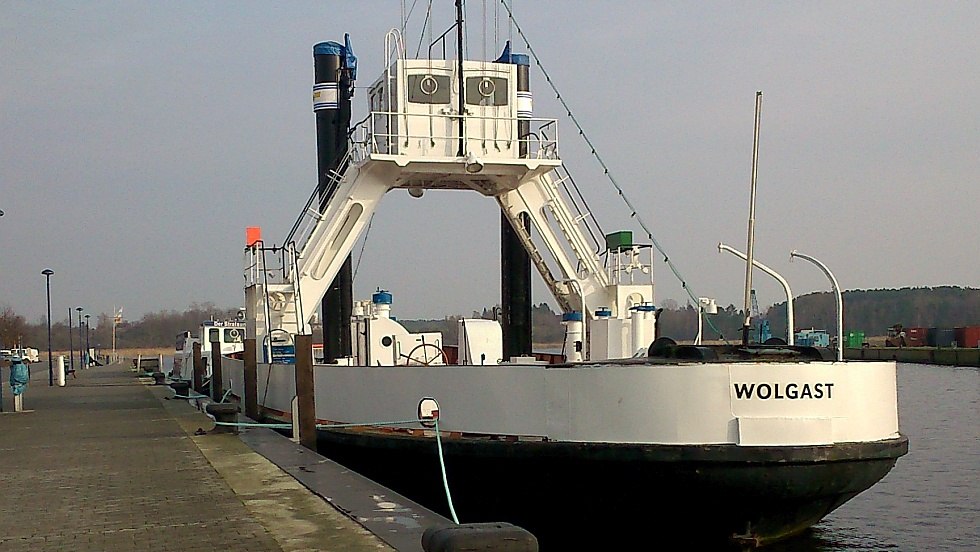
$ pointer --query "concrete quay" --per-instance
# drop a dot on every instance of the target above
(111, 463)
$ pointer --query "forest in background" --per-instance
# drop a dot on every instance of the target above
(868, 311)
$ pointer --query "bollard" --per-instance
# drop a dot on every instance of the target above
(60, 370)
(304, 391)
(499, 537)
(139, 362)
(217, 383)
(225, 413)
(181, 388)
(294, 410)
(198, 368)
(251, 381)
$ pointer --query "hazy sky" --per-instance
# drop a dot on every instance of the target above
(138, 140)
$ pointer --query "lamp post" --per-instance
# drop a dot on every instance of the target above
(47, 272)
(837, 297)
(88, 359)
(790, 328)
(706, 305)
(81, 356)
(71, 344)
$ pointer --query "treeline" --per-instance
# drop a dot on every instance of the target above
(157, 329)
(873, 311)
(869, 311)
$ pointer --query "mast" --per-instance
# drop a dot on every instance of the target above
(459, 76)
(749, 249)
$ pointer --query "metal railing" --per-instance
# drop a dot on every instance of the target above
(437, 135)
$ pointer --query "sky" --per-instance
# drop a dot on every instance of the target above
(139, 139)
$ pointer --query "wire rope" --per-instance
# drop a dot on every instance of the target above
(605, 168)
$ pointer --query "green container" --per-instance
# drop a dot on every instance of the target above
(855, 340)
(619, 240)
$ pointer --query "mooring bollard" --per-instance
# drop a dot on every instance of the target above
(60, 370)
(499, 537)
(226, 413)
(181, 388)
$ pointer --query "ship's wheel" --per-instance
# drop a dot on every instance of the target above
(428, 353)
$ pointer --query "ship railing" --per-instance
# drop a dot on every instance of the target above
(312, 212)
(438, 135)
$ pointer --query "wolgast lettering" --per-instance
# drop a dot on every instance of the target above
(766, 391)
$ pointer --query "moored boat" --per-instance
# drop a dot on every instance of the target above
(744, 443)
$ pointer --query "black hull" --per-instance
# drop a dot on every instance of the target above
(570, 494)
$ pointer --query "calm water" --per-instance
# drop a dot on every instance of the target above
(931, 499)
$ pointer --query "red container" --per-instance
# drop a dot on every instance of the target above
(915, 337)
(968, 337)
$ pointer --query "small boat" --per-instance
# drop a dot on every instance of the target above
(229, 335)
(629, 436)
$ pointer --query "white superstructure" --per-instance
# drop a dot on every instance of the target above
(417, 138)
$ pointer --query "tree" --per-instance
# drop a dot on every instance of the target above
(12, 327)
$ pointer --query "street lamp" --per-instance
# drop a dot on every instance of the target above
(706, 305)
(71, 345)
(81, 356)
(88, 360)
(837, 297)
(47, 272)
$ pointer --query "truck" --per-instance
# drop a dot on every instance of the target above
(29, 354)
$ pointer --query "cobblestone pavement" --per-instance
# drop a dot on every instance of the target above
(102, 465)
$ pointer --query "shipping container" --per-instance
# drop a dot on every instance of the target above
(855, 340)
(942, 337)
(968, 337)
(915, 337)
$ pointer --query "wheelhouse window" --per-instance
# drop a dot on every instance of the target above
(428, 89)
(234, 335)
(486, 91)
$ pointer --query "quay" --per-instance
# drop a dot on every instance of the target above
(112, 462)
(948, 356)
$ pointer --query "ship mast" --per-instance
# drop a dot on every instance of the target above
(749, 253)
(459, 75)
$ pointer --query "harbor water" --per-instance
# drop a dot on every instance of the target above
(931, 499)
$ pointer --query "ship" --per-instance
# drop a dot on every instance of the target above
(628, 436)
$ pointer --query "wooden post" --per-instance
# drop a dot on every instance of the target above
(198, 384)
(251, 381)
(304, 391)
(217, 384)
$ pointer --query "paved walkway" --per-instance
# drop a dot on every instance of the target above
(108, 463)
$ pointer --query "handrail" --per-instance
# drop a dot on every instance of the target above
(538, 147)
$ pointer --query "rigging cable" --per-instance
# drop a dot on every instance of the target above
(608, 174)
(425, 25)
(360, 255)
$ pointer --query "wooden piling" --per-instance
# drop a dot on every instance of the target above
(251, 381)
(198, 369)
(304, 391)
(217, 383)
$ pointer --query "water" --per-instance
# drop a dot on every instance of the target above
(931, 499)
